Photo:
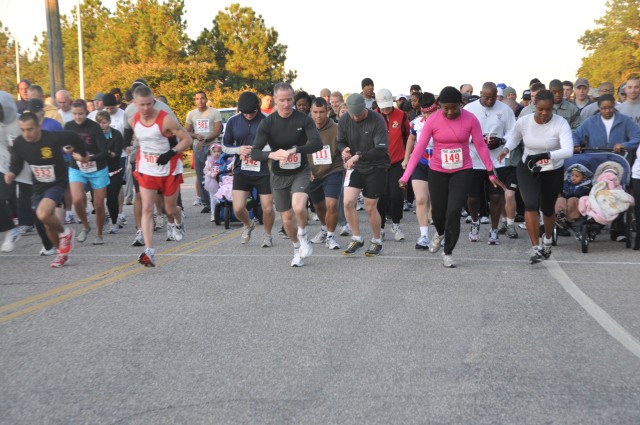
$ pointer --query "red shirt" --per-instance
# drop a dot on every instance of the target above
(398, 128)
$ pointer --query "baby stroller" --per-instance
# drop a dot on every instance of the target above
(592, 223)
(223, 211)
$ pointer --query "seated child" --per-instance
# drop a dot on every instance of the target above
(214, 164)
(577, 183)
(607, 199)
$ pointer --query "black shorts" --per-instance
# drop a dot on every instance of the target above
(327, 187)
(541, 191)
(507, 175)
(480, 181)
(55, 193)
(421, 172)
(373, 185)
(246, 183)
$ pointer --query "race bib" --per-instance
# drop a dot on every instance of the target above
(87, 167)
(322, 157)
(250, 165)
(291, 163)
(451, 158)
(545, 165)
(347, 178)
(44, 173)
(202, 126)
(150, 158)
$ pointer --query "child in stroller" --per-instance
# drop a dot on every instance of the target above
(215, 164)
(577, 183)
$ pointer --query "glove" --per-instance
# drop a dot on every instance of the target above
(493, 142)
(533, 159)
(166, 157)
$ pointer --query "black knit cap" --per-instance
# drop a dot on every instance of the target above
(248, 102)
(450, 95)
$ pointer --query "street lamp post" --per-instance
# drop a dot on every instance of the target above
(80, 54)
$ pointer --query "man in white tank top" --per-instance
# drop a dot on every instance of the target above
(158, 166)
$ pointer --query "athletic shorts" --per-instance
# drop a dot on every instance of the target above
(283, 187)
(507, 175)
(373, 185)
(167, 185)
(327, 187)
(421, 172)
(55, 193)
(96, 180)
(479, 180)
(246, 183)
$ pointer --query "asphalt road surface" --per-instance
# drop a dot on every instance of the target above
(223, 333)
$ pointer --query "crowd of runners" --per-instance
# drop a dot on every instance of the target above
(492, 158)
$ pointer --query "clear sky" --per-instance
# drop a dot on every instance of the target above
(335, 44)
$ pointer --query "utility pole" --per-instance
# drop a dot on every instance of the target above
(15, 42)
(80, 54)
(54, 35)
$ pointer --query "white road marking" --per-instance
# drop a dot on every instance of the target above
(612, 327)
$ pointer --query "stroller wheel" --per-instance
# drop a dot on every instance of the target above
(628, 226)
(584, 238)
(216, 214)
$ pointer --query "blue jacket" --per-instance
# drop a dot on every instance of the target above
(592, 134)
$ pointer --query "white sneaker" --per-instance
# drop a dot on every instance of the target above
(320, 237)
(306, 249)
(395, 228)
(447, 261)
(332, 244)
(345, 230)
(10, 240)
(267, 241)
(178, 232)
(435, 243)
(170, 232)
(114, 229)
(484, 220)
(122, 220)
(197, 202)
(138, 240)
(69, 218)
(297, 259)
(493, 237)
(474, 234)
(47, 252)
(246, 233)
(422, 243)
(315, 217)
(160, 222)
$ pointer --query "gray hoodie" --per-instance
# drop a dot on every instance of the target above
(9, 130)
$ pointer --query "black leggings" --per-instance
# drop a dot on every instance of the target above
(541, 191)
(448, 193)
(392, 199)
(113, 191)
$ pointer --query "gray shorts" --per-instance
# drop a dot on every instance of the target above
(283, 187)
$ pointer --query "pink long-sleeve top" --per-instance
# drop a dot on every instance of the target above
(450, 144)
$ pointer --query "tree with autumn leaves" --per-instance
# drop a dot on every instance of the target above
(614, 45)
(147, 39)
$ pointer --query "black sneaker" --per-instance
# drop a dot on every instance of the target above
(354, 246)
(205, 210)
(374, 249)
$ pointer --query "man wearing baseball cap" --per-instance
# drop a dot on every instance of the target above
(581, 93)
(363, 140)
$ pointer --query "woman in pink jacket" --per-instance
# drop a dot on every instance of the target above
(450, 168)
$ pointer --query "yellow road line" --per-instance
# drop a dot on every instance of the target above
(119, 271)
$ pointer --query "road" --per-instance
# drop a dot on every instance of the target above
(221, 333)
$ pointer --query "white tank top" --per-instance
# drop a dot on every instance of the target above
(153, 143)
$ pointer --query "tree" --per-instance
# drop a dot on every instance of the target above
(614, 45)
(245, 50)
(8, 61)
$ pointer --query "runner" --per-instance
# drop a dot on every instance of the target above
(42, 151)
(363, 140)
(158, 166)
(420, 176)
(326, 175)
(93, 172)
(291, 135)
(547, 143)
(450, 170)
(248, 174)
(496, 121)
